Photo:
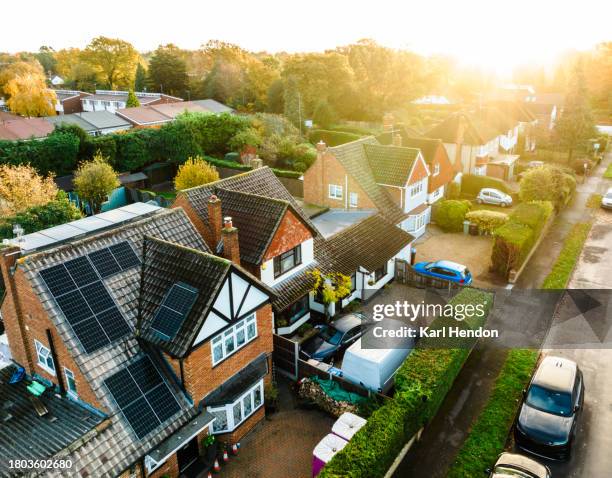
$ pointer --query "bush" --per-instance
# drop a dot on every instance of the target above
(345, 128)
(513, 241)
(572, 247)
(331, 138)
(450, 214)
(547, 184)
(232, 156)
(471, 184)
(533, 214)
(608, 173)
(421, 384)
(487, 221)
(578, 165)
(195, 172)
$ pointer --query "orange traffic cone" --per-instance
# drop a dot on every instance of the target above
(234, 449)
(216, 466)
(209, 475)
(225, 456)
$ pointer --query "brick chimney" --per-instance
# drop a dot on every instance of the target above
(214, 219)
(388, 120)
(231, 249)
(321, 147)
(256, 162)
(397, 139)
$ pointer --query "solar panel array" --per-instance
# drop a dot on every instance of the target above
(143, 396)
(176, 305)
(76, 286)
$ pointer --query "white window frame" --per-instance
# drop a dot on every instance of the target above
(419, 221)
(335, 191)
(69, 374)
(44, 357)
(232, 333)
(353, 199)
(228, 409)
(436, 169)
(416, 189)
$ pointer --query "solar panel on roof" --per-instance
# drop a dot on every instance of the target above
(124, 255)
(113, 323)
(81, 271)
(74, 306)
(104, 262)
(97, 297)
(143, 396)
(58, 280)
(91, 334)
(172, 312)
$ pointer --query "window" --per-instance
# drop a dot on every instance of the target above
(230, 416)
(335, 191)
(234, 338)
(45, 360)
(296, 311)
(436, 169)
(70, 382)
(416, 189)
(287, 261)
(353, 282)
(353, 199)
(419, 222)
(380, 273)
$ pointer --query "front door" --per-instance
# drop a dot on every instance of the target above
(187, 455)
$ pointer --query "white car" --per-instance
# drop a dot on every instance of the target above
(493, 196)
(536, 164)
(606, 200)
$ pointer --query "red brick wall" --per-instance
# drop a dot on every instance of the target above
(327, 170)
(170, 468)
(446, 169)
(193, 216)
(289, 234)
(201, 378)
(419, 171)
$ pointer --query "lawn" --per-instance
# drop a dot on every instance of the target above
(608, 172)
(572, 247)
(489, 434)
(594, 201)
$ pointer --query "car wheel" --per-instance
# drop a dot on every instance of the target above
(479, 201)
(504, 204)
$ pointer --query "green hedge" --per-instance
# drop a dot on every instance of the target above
(487, 221)
(450, 214)
(608, 172)
(572, 247)
(471, 184)
(487, 438)
(345, 128)
(422, 383)
(533, 214)
(331, 138)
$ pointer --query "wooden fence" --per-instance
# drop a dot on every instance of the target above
(285, 356)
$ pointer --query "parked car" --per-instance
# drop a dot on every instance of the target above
(494, 196)
(334, 337)
(519, 466)
(546, 424)
(606, 200)
(447, 270)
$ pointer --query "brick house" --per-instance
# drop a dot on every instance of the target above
(140, 335)
(113, 100)
(69, 101)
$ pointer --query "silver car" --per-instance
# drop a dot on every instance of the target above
(493, 196)
(515, 465)
(606, 200)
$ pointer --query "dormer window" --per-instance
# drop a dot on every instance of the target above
(287, 261)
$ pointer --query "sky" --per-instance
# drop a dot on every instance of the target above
(492, 34)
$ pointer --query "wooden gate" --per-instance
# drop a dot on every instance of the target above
(285, 356)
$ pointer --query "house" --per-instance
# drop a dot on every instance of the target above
(57, 80)
(19, 128)
(69, 101)
(112, 100)
(547, 108)
(142, 340)
(95, 123)
(279, 244)
(519, 113)
(151, 115)
(364, 174)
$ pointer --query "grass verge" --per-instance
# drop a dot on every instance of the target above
(608, 173)
(489, 434)
(594, 201)
(572, 247)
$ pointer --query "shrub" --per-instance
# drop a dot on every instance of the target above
(547, 184)
(194, 172)
(232, 156)
(533, 214)
(608, 172)
(345, 128)
(513, 241)
(331, 138)
(453, 190)
(450, 214)
(94, 181)
(572, 247)
(487, 221)
(578, 165)
(471, 184)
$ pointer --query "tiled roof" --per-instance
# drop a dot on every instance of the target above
(165, 112)
(355, 160)
(447, 130)
(25, 435)
(428, 147)
(112, 450)
(391, 164)
(25, 128)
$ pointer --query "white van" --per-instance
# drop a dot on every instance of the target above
(371, 368)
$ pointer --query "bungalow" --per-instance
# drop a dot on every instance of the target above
(95, 123)
(19, 128)
(69, 101)
(112, 100)
(151, 115)
(137, 341)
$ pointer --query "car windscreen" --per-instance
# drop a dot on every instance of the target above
(330, 334)
(609, 195)
(466, 272)
(551, 401)
(502, 470)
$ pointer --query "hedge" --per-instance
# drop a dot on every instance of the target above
(450, 214)
(344, 128)
(533, 214)
(487, 221)
(572, 247)
(471, 184)
(224, 163)
(331, 138)
(487, 438)
(422, 383)
(608, 172)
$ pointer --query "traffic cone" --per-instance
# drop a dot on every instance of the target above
(234, 449)
(216, 466)
(209, 475)
(225, 456)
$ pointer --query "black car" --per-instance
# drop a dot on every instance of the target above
(546, 424)
(334, 337)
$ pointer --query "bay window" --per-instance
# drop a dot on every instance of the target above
(230, 416)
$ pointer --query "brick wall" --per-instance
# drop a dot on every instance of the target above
(169, 468)
(419, 171)
(289, 234)
(201, 227)
(446, 169)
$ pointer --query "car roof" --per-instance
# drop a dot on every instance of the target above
(347, 322)
(492, 190)
(556, 373)
(609, 191)
(454, 266)
(521, 462)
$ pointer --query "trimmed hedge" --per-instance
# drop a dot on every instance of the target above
(224, 163)
(608, 172)
(450, 214)
(487, 221)
(533, 214)
(331, 138)
(471, 184)
(421, 384)
(572, 247)
(487, 438)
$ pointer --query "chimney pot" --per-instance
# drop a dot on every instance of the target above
(227, 222)
(321, 146)
(231, 248)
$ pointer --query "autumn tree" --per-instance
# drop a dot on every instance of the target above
(94, 181)
(194, 172)
(132, 100)
(21, 187)
(329, 288)
(25, 86)
(113, 60)
(75, 70)
(168, 71)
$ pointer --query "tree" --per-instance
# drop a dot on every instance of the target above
(21, 187)
(168, 71)
(330, 287)
(576, 124)
(324, 115)
(140, 80)
(276, 100)
(132, 100)
(29, 96)
(292, 102)
(75, 70)
(94, 181)
(113, 60)
(547, 184)
(194, 172)
(46, 57)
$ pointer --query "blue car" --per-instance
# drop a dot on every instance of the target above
(446, 270)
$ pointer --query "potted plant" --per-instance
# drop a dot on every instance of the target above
(210, 446)
(271, 398)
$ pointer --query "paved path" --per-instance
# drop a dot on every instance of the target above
(541, 262)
